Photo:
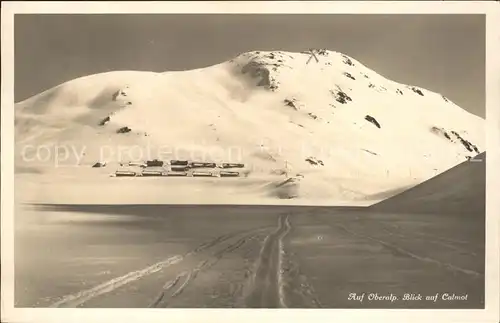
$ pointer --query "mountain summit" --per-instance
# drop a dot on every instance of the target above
(342, 130)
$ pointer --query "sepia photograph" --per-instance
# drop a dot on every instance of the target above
(225, 159)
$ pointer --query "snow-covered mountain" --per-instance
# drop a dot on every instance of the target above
(348, 131)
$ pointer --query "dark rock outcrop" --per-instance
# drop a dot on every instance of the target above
(467, 144)
(259, 70)
(123, 130)
(291, 103)
(370, 152)
(104, 121)
(312, 115)
(322, 52)
(417, 90)
(314, 161)
(347, 60)
(340, 96)
(115, 95)
(349, 76)
(372, 120)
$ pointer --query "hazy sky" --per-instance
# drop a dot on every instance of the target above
(443, 53)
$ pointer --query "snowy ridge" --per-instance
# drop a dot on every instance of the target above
(267, 110)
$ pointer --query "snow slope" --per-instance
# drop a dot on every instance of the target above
(459, 190)
(348, 131)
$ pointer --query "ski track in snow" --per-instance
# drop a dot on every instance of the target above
(191, 274)
(81, 297)
(281, 268)
(267, 286)
(410, 254)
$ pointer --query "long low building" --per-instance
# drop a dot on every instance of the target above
(152, 173)
(121, 173)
